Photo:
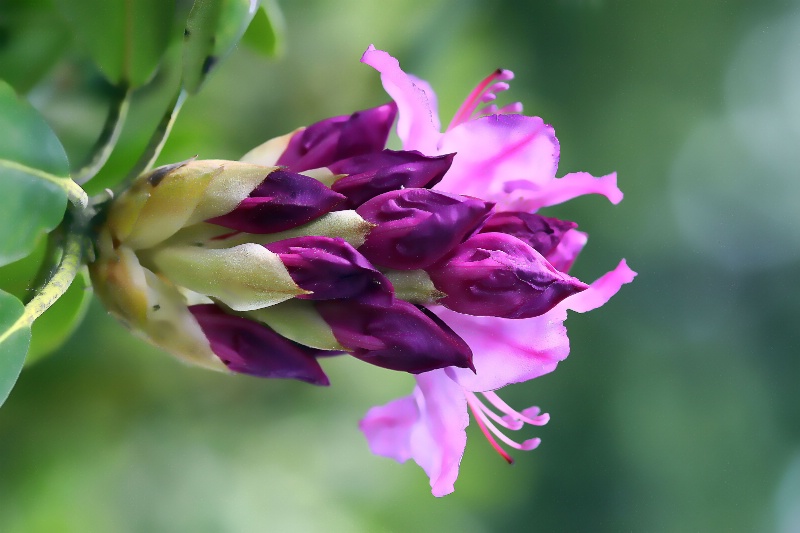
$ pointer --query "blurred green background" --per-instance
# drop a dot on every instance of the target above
(677, 409)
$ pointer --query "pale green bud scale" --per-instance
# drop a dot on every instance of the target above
(299, 321)
(243, 277)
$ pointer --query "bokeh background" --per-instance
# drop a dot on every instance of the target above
(677, 409)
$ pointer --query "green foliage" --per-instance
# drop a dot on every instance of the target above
(265, 33)
(213, 28)
(126, 38)
(14, 340)
(33, 37)
(32, 162)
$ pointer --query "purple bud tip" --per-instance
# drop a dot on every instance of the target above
(332, 139)
(397, 336)
(329, 268)
(494, 274)
(249, 347)
(373, 174)
(284, 200)
(417, 227)
(541, 233)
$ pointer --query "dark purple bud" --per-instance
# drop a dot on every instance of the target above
(542, 233)
(329, 140)
(284, 200)
(494, 274)
(249, 347)
(397, 337)
(417, 227)
(376, 173)
(330, 268)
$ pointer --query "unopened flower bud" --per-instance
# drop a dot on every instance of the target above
(398, 336)
(282, 201)
(368, 175)
(494, 274)
(329, 268)
(543, 234)
(414, 228)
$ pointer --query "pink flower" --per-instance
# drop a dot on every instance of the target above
(509, 159)
(515, 156)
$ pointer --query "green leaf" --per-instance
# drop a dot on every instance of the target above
(33, 39)
(15, 337)
(126, 38)
(32, 161)
(18, 277)
(212, 30)
(266, 31)
(56, 325)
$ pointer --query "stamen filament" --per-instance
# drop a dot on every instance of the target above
(471, 103)
(481, 423)
(507, 422)
(500, 434)
(502, 406)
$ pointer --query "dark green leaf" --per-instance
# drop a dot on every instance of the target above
(32, 39)
(126, 38)
(32, 162)
(15, 337)
(55, 326)
(212, 30)
(265, 33)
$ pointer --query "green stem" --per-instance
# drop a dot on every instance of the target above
(51, 260)
(105, 144)
(59, 282)
(74, 191)
(157, 141)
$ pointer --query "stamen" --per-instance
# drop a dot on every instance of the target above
(529, 416)
(492, 109)
(471, 399)
(505, 421)
(515, 107)
(498, 87)
(476, 96)
(513, 420)
(502, 436)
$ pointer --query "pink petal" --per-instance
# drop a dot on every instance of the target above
(567, 250)
(598, 292)
(388, 428)
(496, 149)
(529, 196)
(418, 123)
(433, 102)
(428, 426)
(439, 439)
(508, 351)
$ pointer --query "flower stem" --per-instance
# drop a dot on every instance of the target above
(117, 113)
(61, 279)
(157, 141)
(59, 282)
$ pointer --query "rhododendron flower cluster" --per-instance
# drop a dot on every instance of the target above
(430, 260)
